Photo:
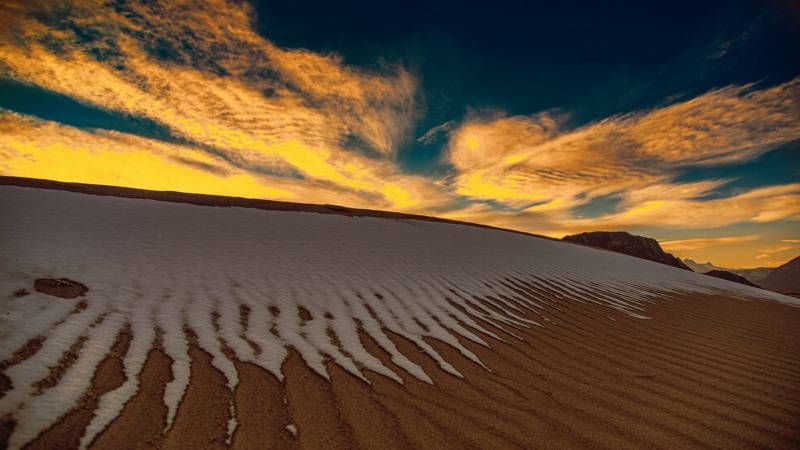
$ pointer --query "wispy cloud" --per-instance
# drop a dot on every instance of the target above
(777, 254)
(694, 244)
(437, 132)
(201, 70)
(523, 159)
(540, 169)
(756, 206)
(759, 205)
(40, 149)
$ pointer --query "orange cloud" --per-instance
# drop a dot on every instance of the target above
(698, 243)
(46, 150)
(42, 149)
(525, 159)
(225, 87)
(778, 254)
(759, 205)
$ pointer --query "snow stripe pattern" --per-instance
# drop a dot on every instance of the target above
(248, 284)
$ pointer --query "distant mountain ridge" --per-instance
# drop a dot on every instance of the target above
(785, 279)
(629, 244)
(730, 276)
(755, 275)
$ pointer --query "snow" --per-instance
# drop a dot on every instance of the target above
(153, 265)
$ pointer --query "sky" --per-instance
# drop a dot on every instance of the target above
(678, 121)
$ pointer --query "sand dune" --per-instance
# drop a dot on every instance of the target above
(214, 328)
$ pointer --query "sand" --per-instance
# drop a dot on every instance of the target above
(704, 371)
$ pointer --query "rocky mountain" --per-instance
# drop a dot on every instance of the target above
(628, 244)
(755, 275)
(730, 276)
(785, 279)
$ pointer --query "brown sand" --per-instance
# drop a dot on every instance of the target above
(148, 408)
(109, 375)
(705, 371)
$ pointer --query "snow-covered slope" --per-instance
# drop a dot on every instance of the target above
(252, 283)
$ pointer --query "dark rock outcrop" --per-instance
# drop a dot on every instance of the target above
(730, 276)
(785, 279)
(60, 287)
(629, 244)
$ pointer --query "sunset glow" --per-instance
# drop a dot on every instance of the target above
(199, 97)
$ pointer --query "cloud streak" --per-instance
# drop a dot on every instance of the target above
(201, 70)
(698, 243)
(534, 159)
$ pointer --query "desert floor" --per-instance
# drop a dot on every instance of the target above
(704, 371)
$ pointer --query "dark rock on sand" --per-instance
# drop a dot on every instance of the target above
(60, 287)
(629, 244)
